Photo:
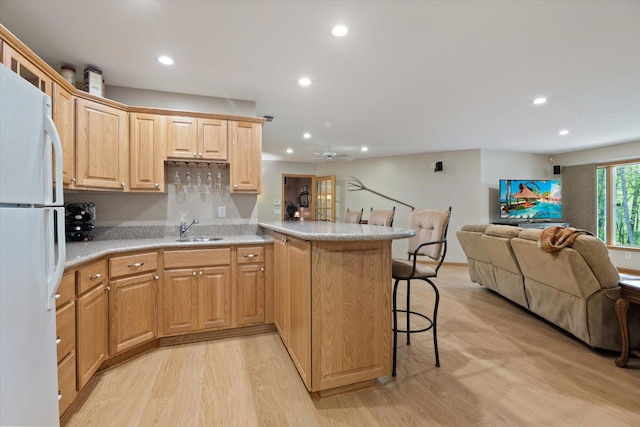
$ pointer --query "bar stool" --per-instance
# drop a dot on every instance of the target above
(382, 217)
(430, 241)
(353, 217)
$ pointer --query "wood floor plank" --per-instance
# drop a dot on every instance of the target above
(500, 366)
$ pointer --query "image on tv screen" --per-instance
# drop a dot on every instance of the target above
(530, 199)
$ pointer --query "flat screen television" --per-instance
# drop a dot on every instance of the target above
(531, 199)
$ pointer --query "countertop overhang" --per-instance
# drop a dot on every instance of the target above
(336, 231)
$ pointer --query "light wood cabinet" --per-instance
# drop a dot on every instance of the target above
(192, 138)
(101, 146)
(91, 314)
(133, 300)
(293, 300)
(245, 157)
(250, 285)
(26, 69)
(64, 118)
(146, 152)
(196, 291)
(66, 340)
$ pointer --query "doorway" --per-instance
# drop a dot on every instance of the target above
(308, 197)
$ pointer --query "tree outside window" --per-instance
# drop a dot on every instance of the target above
(619, 204)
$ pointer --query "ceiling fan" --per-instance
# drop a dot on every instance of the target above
(330, 156)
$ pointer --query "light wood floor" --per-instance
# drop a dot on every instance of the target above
(499, 366)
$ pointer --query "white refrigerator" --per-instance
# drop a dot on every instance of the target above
(32, 252)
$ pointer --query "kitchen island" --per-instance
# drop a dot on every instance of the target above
(332, 295)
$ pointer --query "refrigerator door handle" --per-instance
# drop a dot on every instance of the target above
(54, 253)
(50, 129)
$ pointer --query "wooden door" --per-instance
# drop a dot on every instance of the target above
(146, 156)
(250, 294)
(299, 345)
(214, 297)
(181, 137)
(64, 118)
(212, 138)
(102, 146)
(245, 157)
(180, 301)
(281, 286)
(133, 315)
(91, 344)
(324, 198)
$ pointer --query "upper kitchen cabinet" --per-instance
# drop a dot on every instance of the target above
(146, 154)
(245, 149)
(63, 117)
(101, 146)
(196, 138)
(18, 63)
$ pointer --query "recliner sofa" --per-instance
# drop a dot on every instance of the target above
(574, 288)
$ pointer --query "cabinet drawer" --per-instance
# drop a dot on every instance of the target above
(67, 382)
(130, 264)
(67, 289)
(91, 275)
(66, 330)
(250, 255)
(197, 258)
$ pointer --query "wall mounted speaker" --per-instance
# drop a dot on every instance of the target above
(557, 169)
(438, 167)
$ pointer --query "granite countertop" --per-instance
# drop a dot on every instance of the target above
(80, 252)
(336, 231)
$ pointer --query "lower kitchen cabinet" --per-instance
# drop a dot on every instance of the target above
(66, 340)
(133, 314)
(250, 285)
(92, 329)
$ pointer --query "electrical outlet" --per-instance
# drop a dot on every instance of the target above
(276, 202)
(222, 211)
(627, 255)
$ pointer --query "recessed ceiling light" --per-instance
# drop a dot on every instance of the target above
(540, 100)
(365, 148)
(165, 60)
(306, 135)
(304, 81)
(289, 150)
(563, 132)
(339, 31)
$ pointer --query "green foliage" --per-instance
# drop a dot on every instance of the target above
(626, 199)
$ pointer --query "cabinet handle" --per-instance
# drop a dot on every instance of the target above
(195, 154)
(250, 255)
(156, 277)
(194, 273)
(108, 288)
(235, 185)
(136, 265)
(284, 240)
(59, 395)
(201, 273)
(156, 185)
(57, 296)
(95, 276)
(200, 155)
(123, 184)
(72, 180)
(261, 268)
(58, 340)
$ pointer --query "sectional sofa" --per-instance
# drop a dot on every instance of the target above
(574, 288)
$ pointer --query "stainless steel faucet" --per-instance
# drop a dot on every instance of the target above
(184, 228)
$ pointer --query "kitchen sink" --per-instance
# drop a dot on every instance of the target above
(198, 239)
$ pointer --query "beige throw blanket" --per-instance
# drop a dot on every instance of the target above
(554, 238)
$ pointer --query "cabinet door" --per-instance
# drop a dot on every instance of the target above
(92, 333)
(250, 294)
(25, 69)
(132, 311)
(281, 286)
(63, 116)
(245, 147)
(146, 154)
(181, 137)
(212, 137)
(180, 301)
(299, 344)
(214, 297)
(102, 146)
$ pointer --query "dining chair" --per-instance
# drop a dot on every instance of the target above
(382, 217)
(430, 241)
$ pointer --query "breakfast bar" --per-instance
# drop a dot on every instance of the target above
(333, 300)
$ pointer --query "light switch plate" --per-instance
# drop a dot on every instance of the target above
(276, 202)
(222, 211)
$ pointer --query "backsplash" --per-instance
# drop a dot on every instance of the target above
(158, 232)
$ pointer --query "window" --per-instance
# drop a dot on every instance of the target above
(619, 204)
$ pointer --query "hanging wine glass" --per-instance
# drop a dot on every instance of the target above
(177, 181)
(209, 181)
(188, 181)
(219, 179)
(199, 186)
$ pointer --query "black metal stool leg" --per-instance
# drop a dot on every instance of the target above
(434, 321)
(395, 329)
(408, 312)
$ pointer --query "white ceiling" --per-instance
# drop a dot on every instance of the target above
(410, 77)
